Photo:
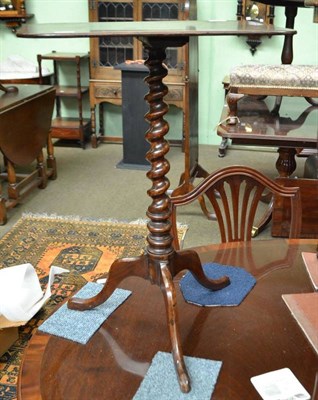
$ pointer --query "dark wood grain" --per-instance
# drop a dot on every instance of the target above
(258, 336)
(281, 208)
(25, 122)
(31, 107)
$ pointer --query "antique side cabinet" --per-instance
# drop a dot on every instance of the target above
(68, 128)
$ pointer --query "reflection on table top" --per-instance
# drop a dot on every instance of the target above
(258, 336)
(297, 120)
(148, 28)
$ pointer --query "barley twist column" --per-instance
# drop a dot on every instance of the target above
(159, 237)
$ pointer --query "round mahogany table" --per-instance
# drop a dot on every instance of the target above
(258, 336)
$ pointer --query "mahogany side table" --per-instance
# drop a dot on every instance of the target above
(161, 262)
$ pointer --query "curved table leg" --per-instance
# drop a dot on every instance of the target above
(119, 270)
(189, 259)
(169, 295)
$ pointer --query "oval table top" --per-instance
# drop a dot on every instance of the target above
(258, 336)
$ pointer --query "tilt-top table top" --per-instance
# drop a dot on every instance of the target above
(145, 28)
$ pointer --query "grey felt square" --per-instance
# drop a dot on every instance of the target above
(80, 326)
(161, 380)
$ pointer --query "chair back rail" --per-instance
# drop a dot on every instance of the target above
(235, 193)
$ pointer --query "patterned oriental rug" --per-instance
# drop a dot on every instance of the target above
(87, 248)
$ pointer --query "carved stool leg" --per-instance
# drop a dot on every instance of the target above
(232, 99)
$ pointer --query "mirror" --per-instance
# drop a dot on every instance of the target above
(255, 12)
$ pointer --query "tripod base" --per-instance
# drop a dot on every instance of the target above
(161, 273)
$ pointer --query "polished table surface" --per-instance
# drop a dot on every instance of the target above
(258, 336)
(295, 127)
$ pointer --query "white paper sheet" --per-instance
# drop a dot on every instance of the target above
(281, 384)
(21, 296)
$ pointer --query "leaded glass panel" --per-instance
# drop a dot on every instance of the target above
(163, 11)
(115, 50)
(108, 11)
(160, 11)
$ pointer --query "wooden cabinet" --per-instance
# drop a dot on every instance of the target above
(78, 128)
(106, 53)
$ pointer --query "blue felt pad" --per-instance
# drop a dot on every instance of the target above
(242, 282)
(161, 381)
(80, 326)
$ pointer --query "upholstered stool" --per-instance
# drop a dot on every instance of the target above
(271, 80)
